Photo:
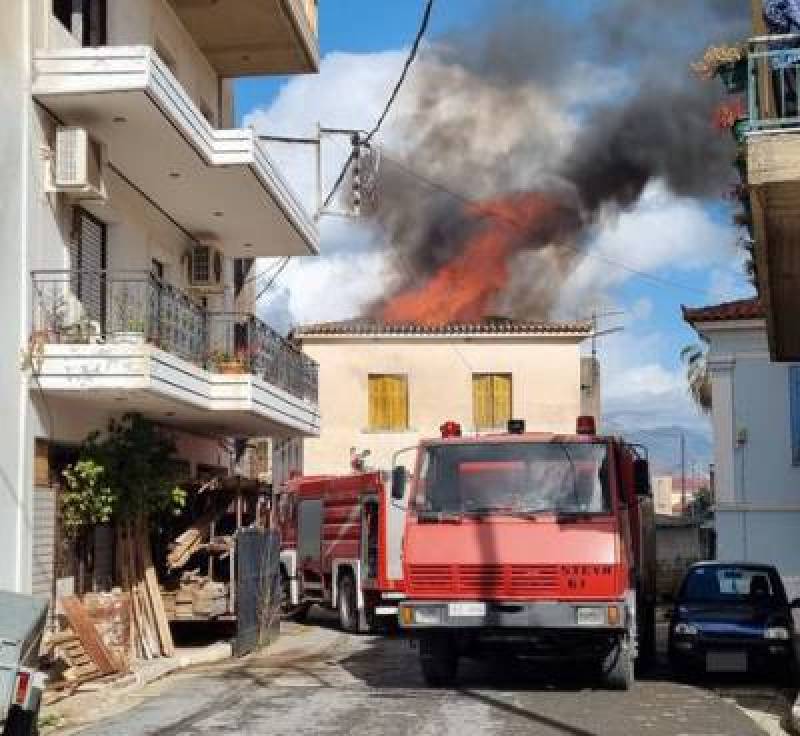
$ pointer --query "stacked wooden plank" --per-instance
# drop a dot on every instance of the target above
(150, 633)
(196, 597)
(78, 665)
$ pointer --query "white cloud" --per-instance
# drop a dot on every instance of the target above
(641, 386)
(638, 390)
(661, 231)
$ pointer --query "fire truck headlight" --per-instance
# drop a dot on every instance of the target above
(590, 615)
(427, 616)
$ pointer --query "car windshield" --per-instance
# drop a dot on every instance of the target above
(733, 584)
(515, 477)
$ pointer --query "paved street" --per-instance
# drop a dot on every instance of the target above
(320, 681)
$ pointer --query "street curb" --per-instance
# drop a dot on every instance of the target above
(146, 674)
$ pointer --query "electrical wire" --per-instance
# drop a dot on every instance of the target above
(412, 55)
(423, 27)
(274, 278)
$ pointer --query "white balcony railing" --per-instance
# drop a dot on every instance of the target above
(130, 307)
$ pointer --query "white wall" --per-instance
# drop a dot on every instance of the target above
(15, 492)
(545, 380)
(757, 486)
(154, 23)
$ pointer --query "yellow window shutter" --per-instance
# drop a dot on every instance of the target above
(482, 401)
(388, 402)
(398, 402)
(501, 391)
(377, 402)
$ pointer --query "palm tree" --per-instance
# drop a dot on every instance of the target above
(697, 375)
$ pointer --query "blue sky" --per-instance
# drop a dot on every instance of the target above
(642, 372)
(362, 26)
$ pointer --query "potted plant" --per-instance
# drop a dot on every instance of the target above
(131, 332)
(729, 63)
(227, 364)
(733, 116)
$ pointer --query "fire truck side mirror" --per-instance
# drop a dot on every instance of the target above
(399, 481)
(641, 477)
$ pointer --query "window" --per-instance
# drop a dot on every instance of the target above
(491, 400)
(794, 408)
(62, 9)
(732, 584)
(515, 478)
(157, 269)
(388, 402)
(87, 21)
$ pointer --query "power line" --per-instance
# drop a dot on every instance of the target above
(513, 223)
(274, 278)
(423, 27)
(426, 16)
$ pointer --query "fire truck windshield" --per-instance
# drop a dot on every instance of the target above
(515, 478)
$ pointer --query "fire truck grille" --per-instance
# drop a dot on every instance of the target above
(430, 578)
(493, 581)
(534, 580)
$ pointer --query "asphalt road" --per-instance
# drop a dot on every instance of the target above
(317, 680)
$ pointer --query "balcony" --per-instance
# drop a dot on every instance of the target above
(218, 184)
(249, 37)
(773, 175)
(127, 340)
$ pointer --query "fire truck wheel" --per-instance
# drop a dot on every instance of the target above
(438, 658)
(289, 612)
(347, 604)
(20, 723)
(618, 667)
(647, 637)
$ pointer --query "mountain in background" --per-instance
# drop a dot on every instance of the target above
(663, 445)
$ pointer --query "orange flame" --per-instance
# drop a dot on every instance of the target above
(464, 289)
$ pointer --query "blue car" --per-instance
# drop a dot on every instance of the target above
(732, 618)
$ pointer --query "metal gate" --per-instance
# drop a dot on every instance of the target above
(258, 589)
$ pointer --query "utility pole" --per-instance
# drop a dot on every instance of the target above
(683, 474)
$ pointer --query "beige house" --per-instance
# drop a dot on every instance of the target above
(382, 387)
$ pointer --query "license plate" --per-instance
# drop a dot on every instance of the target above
(726, 662)
(467, 609)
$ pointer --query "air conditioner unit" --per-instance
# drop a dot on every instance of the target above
(79, 164)
(205, 266)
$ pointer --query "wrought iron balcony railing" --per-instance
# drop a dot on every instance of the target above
(773, 73)
(84, 307)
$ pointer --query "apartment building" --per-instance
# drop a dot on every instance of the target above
(383, 387)
(771, 157)
(132, 214)
(756, 424)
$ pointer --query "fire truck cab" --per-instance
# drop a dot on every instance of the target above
(340, 548)
(532, 545)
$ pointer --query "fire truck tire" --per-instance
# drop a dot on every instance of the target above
(618, 667)
(289, 612)
(647, 636)
(20, 723)
(438, 658)
(347, 604)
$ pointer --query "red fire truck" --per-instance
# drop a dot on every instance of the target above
(341, 538)
(531, 545)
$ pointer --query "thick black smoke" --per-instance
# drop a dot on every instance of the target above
(588, 101)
